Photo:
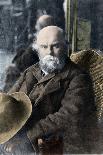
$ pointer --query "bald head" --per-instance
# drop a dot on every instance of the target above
(43, 21)
(50, 34)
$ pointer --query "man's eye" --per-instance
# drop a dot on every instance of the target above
(57, 45)
(44, 46)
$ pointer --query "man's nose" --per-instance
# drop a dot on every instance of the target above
(50, 50)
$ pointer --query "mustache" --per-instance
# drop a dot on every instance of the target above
(50, 58)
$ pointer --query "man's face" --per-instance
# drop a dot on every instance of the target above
(51, 51)
(50, 45)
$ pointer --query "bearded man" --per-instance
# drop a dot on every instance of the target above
(61, 95)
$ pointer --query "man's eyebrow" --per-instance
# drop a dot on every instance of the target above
(43, 45)
(57, 42)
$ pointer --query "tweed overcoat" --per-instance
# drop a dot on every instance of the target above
(62, 102)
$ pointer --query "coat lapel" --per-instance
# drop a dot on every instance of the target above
(51, 86)
(47, 84)
(37, 73)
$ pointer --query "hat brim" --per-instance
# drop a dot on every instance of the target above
(24, 101)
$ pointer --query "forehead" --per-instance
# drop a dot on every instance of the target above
(49, 37)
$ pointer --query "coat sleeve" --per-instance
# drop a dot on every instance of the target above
(76, 105)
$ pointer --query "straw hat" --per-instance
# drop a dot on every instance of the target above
(92, 61)
(15, 109)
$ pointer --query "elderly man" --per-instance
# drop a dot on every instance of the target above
(61, 95)
(28, 57)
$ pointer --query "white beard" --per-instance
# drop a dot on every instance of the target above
(50, 64)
